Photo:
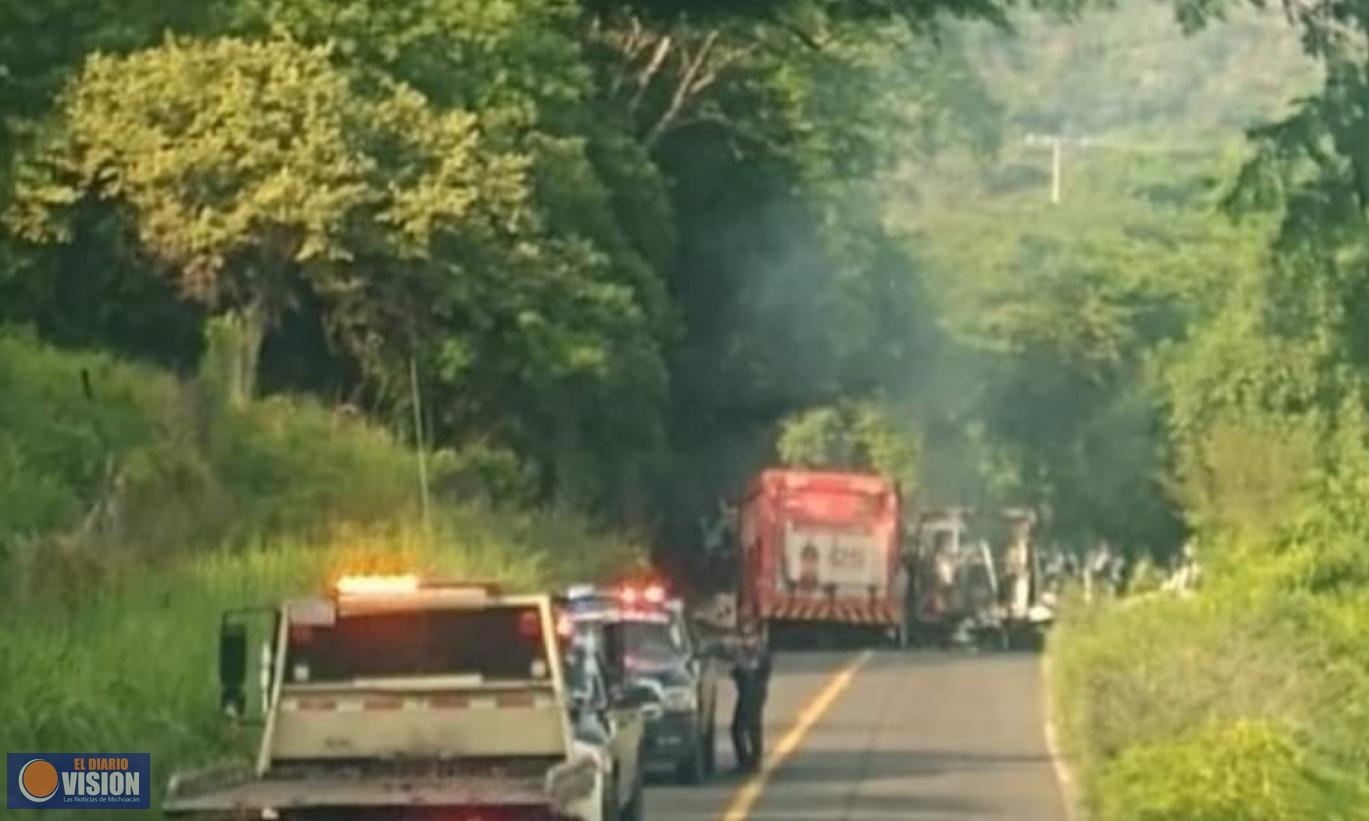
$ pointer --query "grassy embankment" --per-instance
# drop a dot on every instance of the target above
(129, 519)
(1246, 702)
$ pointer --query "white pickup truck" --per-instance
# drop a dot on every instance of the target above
(396, 699)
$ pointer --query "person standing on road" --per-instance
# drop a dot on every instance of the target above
(751, 674)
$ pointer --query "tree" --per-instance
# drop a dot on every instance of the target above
(858, 435)
(1066, 325)
(254, 170)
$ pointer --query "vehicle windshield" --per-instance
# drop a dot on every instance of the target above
(494, 644)
(652, 642)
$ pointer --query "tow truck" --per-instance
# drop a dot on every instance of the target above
(647, 632)
(396, 698)
(966, 593)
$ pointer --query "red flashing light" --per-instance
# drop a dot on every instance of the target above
(530, 625)
(652, 594)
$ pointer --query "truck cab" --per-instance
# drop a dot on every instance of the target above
(394, 697)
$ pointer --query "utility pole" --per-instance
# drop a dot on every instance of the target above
(1057, 143)
(1055, 171)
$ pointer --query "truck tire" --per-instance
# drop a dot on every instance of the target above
(608, 804)
(635, 809)
(691, 769)
(709, 739)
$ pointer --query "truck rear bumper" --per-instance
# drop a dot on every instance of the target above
(334, 795)
(840, 611)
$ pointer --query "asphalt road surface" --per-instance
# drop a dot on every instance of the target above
(916, 736)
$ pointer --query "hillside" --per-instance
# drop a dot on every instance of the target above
(1129, 70)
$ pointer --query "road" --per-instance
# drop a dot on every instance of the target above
(913, 736)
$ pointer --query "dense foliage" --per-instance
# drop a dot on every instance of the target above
(619, 240)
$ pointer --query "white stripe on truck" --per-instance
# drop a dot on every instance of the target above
(520, 701)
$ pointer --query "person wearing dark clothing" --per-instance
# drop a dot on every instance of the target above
(751, 674)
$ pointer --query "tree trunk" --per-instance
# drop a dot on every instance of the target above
(247, 326)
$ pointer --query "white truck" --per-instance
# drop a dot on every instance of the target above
(397, 699)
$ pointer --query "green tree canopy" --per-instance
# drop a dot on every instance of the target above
(252, 170)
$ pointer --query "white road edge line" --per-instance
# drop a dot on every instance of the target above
(1064, 776)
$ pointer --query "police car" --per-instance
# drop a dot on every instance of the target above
(652, 647)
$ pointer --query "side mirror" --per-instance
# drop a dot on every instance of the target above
(233, 669)
(577, 703)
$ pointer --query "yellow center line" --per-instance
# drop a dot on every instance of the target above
(750, 792)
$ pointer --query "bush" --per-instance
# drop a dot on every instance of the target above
(1249, 701)
(1234, 771)
(145, 467)
(54, 441)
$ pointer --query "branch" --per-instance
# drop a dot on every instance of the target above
(644, 79)
(720, 122)
(632, 44)
(802, 36)
(688, 86)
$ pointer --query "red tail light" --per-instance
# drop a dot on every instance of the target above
(530, 625)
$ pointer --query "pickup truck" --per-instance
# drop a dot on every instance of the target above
(396, 698)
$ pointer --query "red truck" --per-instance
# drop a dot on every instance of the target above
(822, 549)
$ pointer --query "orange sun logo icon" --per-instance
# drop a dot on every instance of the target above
(38, 780)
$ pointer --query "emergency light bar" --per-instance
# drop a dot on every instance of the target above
(580, 591)
(375, 585)
(361, 586)
(653, 594)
